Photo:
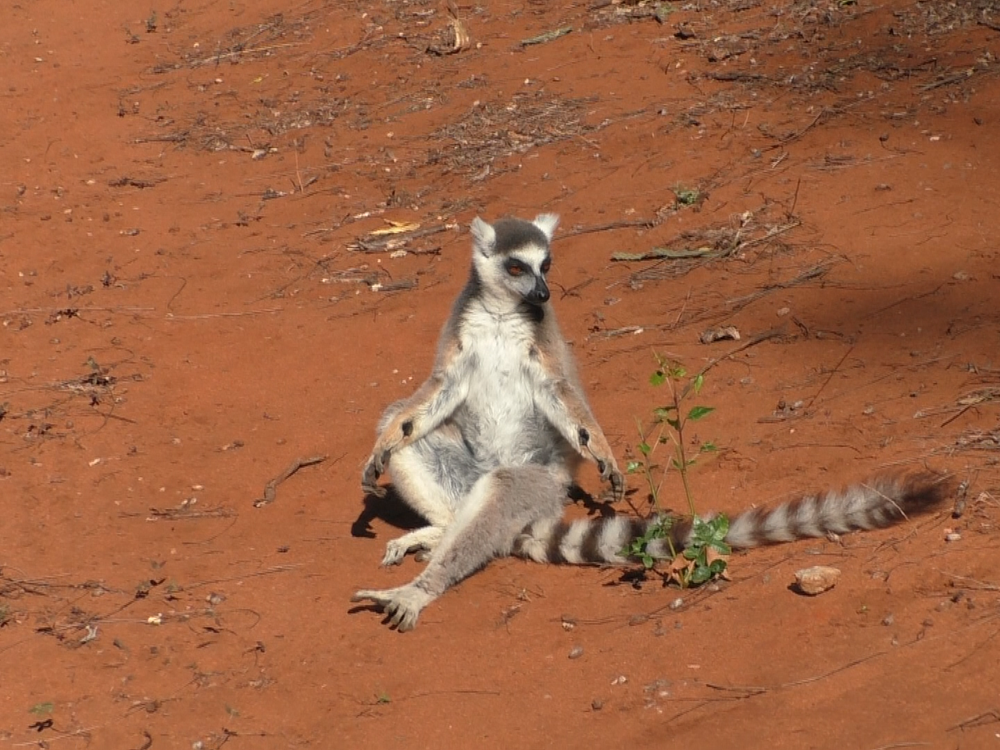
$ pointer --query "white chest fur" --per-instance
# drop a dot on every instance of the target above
(499, 414)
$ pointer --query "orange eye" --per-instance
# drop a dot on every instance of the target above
(546, 266)
(515, 270)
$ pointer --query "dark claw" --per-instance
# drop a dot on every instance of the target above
(602, 467)
(584, 437)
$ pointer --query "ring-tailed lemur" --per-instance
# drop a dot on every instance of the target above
(487, 448)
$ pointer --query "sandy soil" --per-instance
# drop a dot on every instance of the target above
(193, 299)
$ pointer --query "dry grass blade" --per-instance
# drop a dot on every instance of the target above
(384, 243)
(456, 38)
(695, 247)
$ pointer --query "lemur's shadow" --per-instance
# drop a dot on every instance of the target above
(392, 509)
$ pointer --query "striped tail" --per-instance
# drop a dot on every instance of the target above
(876, 504)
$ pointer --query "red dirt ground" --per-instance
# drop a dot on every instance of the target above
(193, 300)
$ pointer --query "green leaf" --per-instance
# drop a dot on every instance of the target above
(675, 423)
(720, 525)
(657, 378)
(644, 448)
(42, 708)
(633, 466)
(722, 548)
(708, 447)
(675, 463)
(678, 372)
(697, 412)
(698, 382)
(700, 574)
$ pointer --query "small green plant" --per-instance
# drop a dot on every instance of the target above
(382, 698)
(686, 196)
(704, 556)
(639, 548)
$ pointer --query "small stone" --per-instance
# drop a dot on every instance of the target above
(676, 604)
(720, 333)
(888, 620)
(597, 704)
(817, 579)
(952, 537)
(576, 652)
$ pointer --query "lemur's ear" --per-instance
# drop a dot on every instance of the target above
(484, 236)
(547, 223)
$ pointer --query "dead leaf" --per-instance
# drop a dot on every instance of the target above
(395, 227)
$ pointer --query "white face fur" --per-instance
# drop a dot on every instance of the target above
(512, 258)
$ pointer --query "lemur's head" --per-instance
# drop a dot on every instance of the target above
(512, 256)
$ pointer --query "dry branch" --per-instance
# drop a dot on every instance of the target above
(271, 488)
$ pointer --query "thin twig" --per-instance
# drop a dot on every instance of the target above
(977, 585)
(237, 53)
(206, 316)
(799, 134)
(901, 301)
(773, 333)
(270, 490)
(642, 223)
(757, 689)
(977, 721)
(828, 379)
(79, 732)
(269, 571)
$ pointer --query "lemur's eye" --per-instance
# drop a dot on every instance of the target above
(546, 266)
(515, 269)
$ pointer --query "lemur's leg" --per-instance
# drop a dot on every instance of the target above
(499, 507)
(432, 476)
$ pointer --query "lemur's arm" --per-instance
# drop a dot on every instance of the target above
(564, 405)
(423, 412)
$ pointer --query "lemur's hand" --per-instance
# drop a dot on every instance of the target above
(595, 446)
(611, 474)
(377, 463)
